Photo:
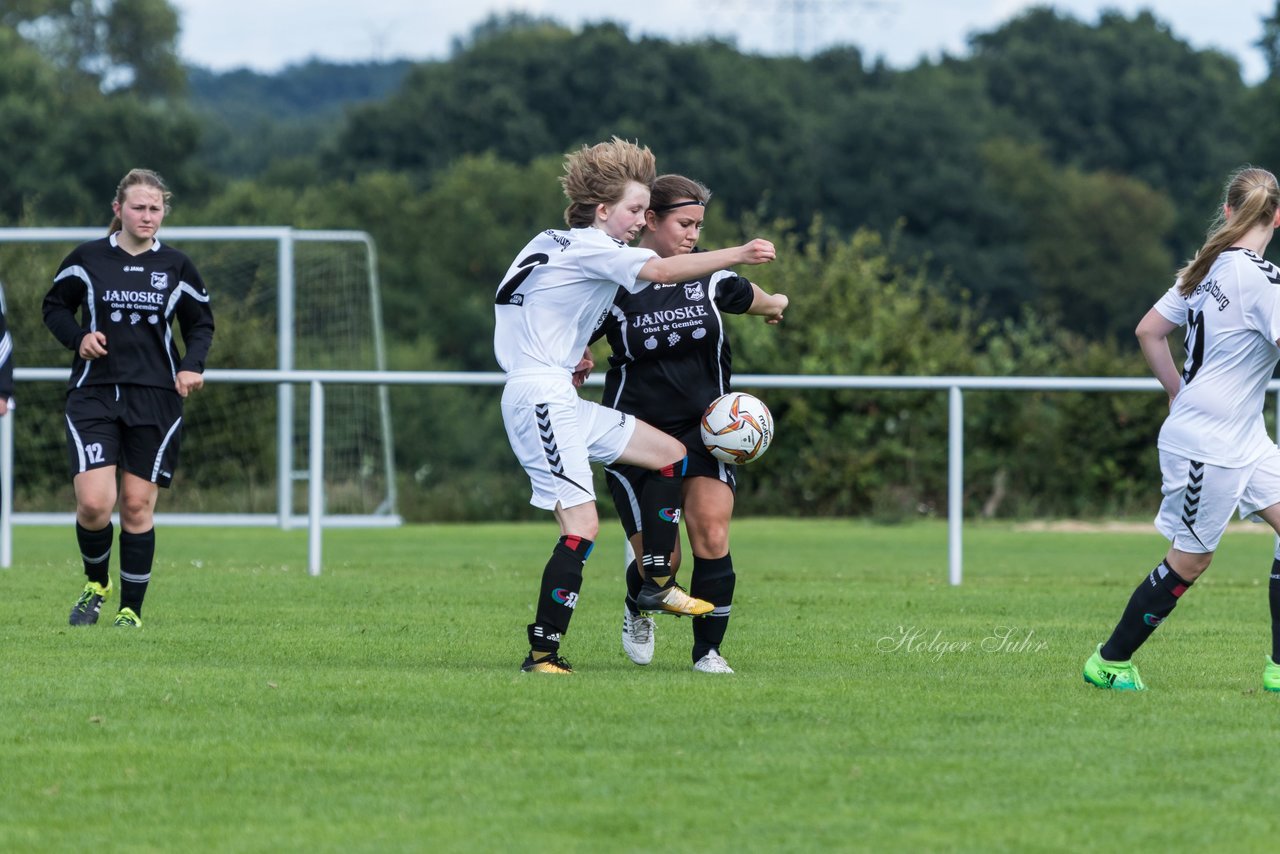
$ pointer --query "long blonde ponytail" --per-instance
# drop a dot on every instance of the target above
(1253, 196)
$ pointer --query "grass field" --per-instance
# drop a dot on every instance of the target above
(875, 707)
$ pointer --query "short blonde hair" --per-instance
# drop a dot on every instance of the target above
(599, 175)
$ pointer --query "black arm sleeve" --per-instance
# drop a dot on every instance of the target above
(60, 304)
(195, 318)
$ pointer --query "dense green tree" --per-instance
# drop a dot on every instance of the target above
(907, 158)
(1095, 243)
(741, 123)
(116, 45)
(1269, 43)
(66, 140)
(252, 121)
(29, 99)
(1259, 116)
(1125, 96)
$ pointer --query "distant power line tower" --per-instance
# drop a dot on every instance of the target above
(808, 18)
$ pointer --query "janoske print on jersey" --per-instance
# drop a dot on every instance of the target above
(134, 300)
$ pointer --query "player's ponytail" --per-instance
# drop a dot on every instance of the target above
(132, 178)
(1252, 196)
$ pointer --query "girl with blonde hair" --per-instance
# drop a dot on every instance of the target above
(1215, 455)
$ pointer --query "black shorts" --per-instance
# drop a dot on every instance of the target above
(135, 427)
(625, 482)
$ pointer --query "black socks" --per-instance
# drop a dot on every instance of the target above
(137, 551)
(713, 580)
(634, 583)
(1273, 594)
(558, 596)
(660, 518)
(1148, 607)
(95, 551)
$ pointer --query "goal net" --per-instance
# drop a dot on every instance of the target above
(283, 299)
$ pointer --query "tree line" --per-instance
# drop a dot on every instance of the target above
(1010, 211)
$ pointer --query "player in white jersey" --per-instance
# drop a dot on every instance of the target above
(1215, 455)
(550, 300)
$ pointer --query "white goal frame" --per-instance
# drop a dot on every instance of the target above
(286, 474)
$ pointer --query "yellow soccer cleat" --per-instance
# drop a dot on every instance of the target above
(128, 619)
(551, 664)
(671, 600)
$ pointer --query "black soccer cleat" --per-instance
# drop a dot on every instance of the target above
(85, 611)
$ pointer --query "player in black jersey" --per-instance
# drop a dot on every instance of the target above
(128, 382)
(670, 359)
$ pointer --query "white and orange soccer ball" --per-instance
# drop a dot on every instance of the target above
(737, 428)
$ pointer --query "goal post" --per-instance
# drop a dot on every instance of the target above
(283, 298)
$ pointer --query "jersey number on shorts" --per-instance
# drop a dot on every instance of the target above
(1195, 345)
(93, 452)
(507, 293)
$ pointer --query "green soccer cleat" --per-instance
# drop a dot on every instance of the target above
(1115, 675)
(128, 619)
(85, 611)
(1271, 676)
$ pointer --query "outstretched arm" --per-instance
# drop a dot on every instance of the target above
(683, 268)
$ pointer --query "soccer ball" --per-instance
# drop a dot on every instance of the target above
(737, 428)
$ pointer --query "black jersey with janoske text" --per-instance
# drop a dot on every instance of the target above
(133, 300)
(670, 354)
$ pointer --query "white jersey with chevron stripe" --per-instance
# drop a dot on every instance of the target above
(1232, 323)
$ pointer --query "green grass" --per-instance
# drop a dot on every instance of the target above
(379, 707)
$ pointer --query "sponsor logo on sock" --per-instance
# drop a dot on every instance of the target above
(669, 514)
(1152, 620)
(565, 597)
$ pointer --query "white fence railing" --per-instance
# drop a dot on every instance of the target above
(316, 519)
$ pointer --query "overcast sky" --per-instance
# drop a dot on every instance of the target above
(267, 35)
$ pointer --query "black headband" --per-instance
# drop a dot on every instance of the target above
(666, 208)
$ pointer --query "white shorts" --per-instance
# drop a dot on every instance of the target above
(556, 435)
(1199, 498)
